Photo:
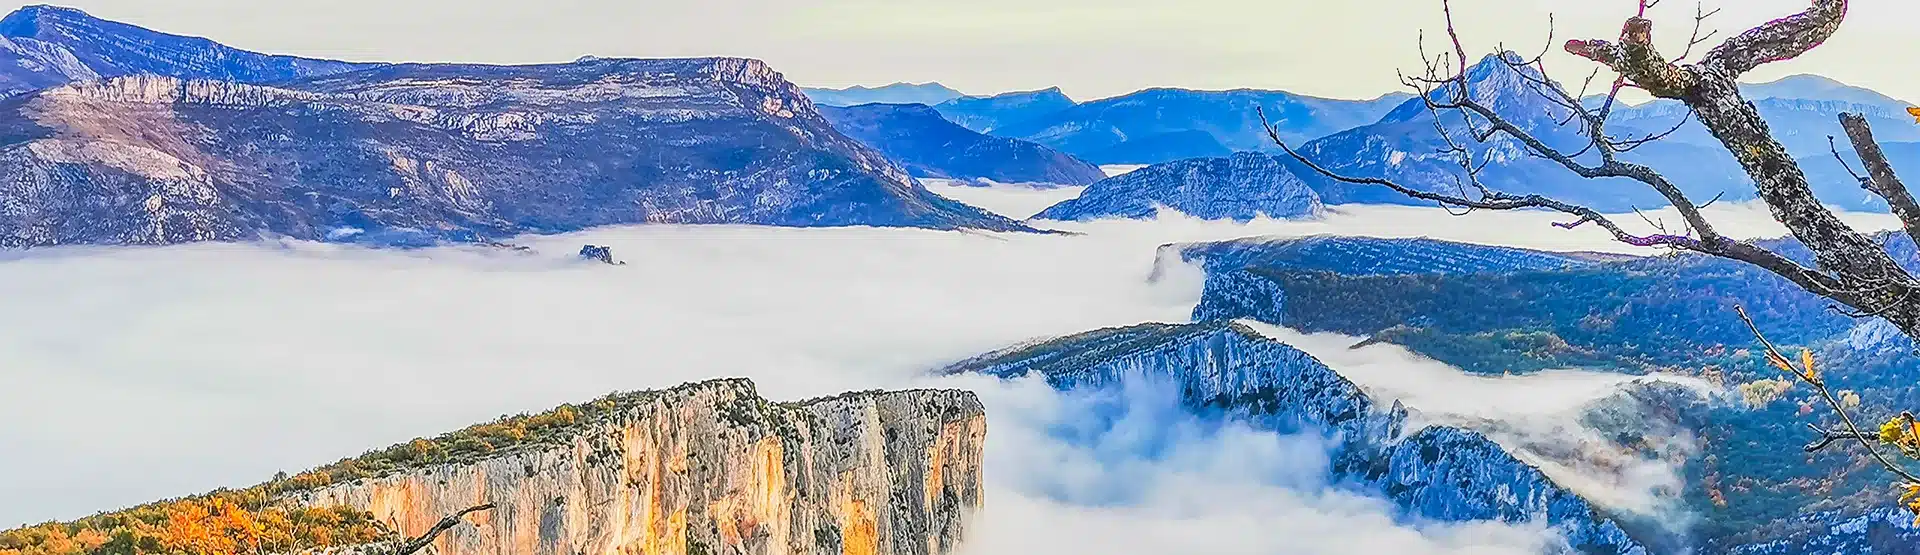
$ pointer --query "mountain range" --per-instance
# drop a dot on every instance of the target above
(422, 153)
(1394, 136)
(928, 145)
(150, 138)
(988, 113)
(897, 93)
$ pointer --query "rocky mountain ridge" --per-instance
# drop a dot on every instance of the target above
(416, 154)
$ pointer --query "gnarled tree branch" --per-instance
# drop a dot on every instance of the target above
(414, 545)
(1881, 179)
(1778, 40)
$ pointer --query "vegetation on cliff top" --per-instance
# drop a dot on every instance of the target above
(221, 523)
(259, 520)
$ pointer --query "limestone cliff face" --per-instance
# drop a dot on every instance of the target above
(710, 469)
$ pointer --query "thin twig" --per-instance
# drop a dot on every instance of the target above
(1820, 386)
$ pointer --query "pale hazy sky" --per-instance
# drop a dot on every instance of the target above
(1091, 48)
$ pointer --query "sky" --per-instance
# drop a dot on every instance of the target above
(1090, 48)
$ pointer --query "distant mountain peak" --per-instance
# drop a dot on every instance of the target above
(26, 20)
(1808, 86)
(929, 93)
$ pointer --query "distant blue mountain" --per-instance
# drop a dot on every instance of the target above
(897, 93)
(1240, 187)
(1815, 87)
(1803, 112)
(405, 155)
(1405, 146)
(44, 46)
(1170, 119)
(1433, 473)
(930, 146)
(987, 113)
(1835, 185)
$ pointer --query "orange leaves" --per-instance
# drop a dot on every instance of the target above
(210, 527)
(1910, 500)
(227, 523)
(1915, 112)
(1809, 372)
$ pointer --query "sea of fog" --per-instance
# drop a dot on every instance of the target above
(132, 374)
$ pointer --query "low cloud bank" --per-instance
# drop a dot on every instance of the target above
(1128, 471)
(1540, 417)
(132, 374)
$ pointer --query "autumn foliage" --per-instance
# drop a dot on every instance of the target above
(225, 523)
(257, 521)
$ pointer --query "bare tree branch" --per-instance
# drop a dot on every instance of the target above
(414, 545)
(1812, 377)
(1881, 178)
(1778, 40)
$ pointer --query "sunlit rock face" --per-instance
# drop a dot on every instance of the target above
(418, 154)
(1437, 473)
(710, 468)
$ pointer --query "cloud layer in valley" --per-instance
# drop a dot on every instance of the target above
(1538, 416)
(136, 374)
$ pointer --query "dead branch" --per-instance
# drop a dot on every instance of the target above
(412, 546)
(1778, 40)
(1881, 179)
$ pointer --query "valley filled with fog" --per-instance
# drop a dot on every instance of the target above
(137, 366)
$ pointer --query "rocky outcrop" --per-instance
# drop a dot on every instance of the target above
(1241, 187)
(1887, 530)
(1438, 473)
(427, 153)
(707, 469)
(601, 254)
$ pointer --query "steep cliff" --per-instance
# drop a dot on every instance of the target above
(708, 468)
(413, 154)
(1439, 473)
